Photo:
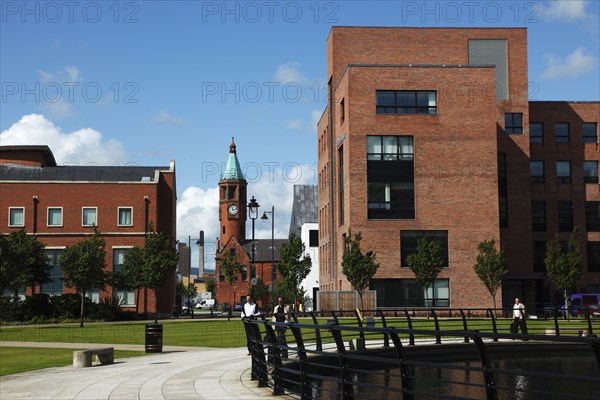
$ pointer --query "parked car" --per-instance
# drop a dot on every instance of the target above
(206, 304)
(583, 301)
(238, 307)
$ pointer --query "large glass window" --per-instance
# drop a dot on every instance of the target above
(126, 297)
(536, 169)
(592, 216)
(536, 132)
(590, 171)
(54, 286)
(539, 256)
(593, 256)
(590, 132)
(409, 239)
(565, 216)
(406, 293)
(313, 238)
(562, 132)
(55, 216)
(16, 216)
(390, 177)
(89, 216)
(563, 171)
(406, 102)
(513, 122)
(125, 216)
(538, 215)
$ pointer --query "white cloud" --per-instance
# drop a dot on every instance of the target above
(315, 116)
(289, 73)
(69, 73)
(293, 124)
(575, 64)
(569, 10)
(164, 117)
(83, 146)
(57, 100)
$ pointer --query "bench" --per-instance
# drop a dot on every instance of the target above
(83, 358)
(580, 331)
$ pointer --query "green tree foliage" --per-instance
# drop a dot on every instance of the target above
(83, 267)
(22, 261)
(294, 263)
(158, 261)
(261, 291)
(490, 266)
(358, 268)
(230, 268)
(564, 265)
(211, 286)
(426, 263)
(131, 274)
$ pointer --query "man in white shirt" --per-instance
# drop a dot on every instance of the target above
(518, 317)
(250, 311)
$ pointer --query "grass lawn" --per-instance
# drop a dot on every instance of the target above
(21, 359)
(225, 334)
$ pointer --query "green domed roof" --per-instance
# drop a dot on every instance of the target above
(232, 168)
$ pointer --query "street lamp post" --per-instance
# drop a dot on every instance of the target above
(253, 214)
(273, 270)
(191, 309)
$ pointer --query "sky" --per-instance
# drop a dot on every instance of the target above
(145, 82)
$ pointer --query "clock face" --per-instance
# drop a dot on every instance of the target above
(233, 209)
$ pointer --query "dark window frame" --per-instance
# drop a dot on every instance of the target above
(397, 108)
(565, 219)
(538, 223)
(562, 139)
(537, 179)
(511, 125)
(590, 178)
(409, 234)
(563, 178)
(538, 137)
(592, 216)
(593, 263)
(587, 137)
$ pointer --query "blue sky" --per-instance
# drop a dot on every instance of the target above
(145, 82)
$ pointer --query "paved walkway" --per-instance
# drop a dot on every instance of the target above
(177, 373)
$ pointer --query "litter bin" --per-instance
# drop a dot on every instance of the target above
(154, 338)
(370, 322)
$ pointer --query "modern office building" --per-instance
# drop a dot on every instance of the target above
(430, 132)
(62, 205)
(257, 258)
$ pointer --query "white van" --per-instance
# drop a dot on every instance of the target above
(206, 304)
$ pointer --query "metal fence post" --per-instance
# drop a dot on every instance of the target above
(259, 362)
(317, 332)
(347, 387)
(411, 335)
(407, 388)
(494, 327)
(438, 337)
(464, 320)
(305, 390)
(491, 392)
(386, 336)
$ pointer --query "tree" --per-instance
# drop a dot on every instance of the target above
(230, 269)
(131, 274)
(211, 286)
(426, 263)
(564, 265)
(358, 268)
(261, 290)
(294, 263)
(83, 267)
(158, 260)
(22, 262)
(490, 266)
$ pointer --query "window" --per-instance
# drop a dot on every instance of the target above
(536, 132)
(390, 177)
(539, 256)
(409, 239)
(538, 215)
(406, 102)
(590, 171)
(590, 132)
(513, 122)
(244, 272)
(593, 256)
(563, 171)
(406, 293)
(565, 216)
(313, 238)
(126, 297)
(54, 286)
(592, 216)
(125, 216)
(562, 132)
(55, 216)
(342, 111)
(536, 169)
(502, 190)
(16, 216)
(89, 216)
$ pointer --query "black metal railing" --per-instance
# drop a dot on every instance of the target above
(351, 355)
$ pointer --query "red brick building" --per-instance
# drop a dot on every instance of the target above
(233, 213)
(62, 204)
(427, 133)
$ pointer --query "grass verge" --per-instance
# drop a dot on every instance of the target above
(22, 359)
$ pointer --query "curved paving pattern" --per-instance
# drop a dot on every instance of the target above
(177, 374)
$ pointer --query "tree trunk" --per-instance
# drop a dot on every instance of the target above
(156, 306)
(362, 301)
(427, 301)
(82, 303)
(137, 303)
(566, 297)
(229, 305)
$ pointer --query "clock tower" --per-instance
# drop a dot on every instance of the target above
(232, 200)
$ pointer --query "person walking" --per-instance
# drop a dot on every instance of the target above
(249, 312)
(281, 313)
(518, 317)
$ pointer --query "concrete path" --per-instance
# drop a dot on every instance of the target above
(177, 373)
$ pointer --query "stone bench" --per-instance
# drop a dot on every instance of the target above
(580, 331)
(83, 358)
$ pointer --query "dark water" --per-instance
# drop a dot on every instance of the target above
(516, 383)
